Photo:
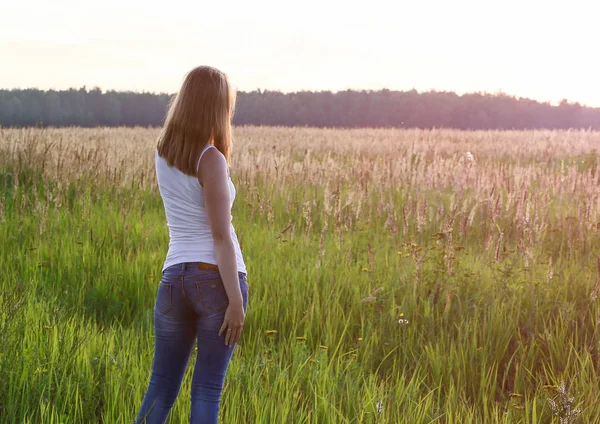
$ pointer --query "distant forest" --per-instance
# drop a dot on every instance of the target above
(345, 109)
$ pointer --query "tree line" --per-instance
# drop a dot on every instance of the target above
(344, 109)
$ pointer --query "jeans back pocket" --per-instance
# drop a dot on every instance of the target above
(164, 298)
(212, 294)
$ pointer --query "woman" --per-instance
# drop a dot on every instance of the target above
(203, 292)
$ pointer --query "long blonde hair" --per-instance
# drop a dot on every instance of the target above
(200, 114)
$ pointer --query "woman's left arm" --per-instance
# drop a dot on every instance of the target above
(213, 177)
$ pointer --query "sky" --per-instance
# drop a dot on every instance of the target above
(542, 49)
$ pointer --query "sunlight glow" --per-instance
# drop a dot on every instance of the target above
(538, 49)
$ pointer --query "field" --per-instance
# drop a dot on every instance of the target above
(390, 281)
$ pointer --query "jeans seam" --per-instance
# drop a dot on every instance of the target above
(185, 299)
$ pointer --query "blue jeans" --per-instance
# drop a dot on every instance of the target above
(190, 304)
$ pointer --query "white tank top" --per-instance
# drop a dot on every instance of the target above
(190, 236)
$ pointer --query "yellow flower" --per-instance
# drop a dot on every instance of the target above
(359, 339)
(365, 269)
(268, 332)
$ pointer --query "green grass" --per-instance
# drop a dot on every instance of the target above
(79, 276)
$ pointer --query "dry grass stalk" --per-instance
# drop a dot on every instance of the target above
(518, 184)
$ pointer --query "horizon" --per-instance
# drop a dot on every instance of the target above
(158, 93)
(534, 51)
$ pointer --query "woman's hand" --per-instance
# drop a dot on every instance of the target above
(233, 323)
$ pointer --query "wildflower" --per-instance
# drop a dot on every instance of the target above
(402, 320)
(359, 339)
(467, 159)
(563, 404)
(365, 270)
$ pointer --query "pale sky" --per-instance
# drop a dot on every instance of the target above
(542, 49)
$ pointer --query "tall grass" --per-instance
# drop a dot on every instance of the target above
(389, 282)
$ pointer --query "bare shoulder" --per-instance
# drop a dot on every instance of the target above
(212, 166)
